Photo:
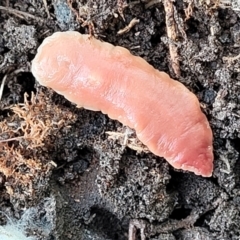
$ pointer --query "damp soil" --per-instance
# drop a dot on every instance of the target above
(69, 173)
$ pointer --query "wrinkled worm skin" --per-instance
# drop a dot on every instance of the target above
(101, 77)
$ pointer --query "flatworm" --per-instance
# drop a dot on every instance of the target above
(101, 77)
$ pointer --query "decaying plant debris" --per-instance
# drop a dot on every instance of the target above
(87, 177)
(25, 137)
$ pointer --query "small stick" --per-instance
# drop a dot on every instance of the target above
(19, 13)
(2, 86)
(11, 139)
(121, 5)
(135, 224)
(172, 35)
(151, 3)
(84, 23)
(132, 23)
(231, 59)
(3, 63)
(46, 7)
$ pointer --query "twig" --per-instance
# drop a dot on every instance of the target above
(231, 59)
(11, 139)
(82, 21)
(135, 224)
(172, 35)
(20, 13)
(3, 62)
(46, 7)
(151, 3)
(2, 86)
(5, 77)
(121, 5)
(132, 23)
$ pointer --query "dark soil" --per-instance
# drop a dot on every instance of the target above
(63, 177)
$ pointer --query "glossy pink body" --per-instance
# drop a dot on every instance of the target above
(101, 77)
